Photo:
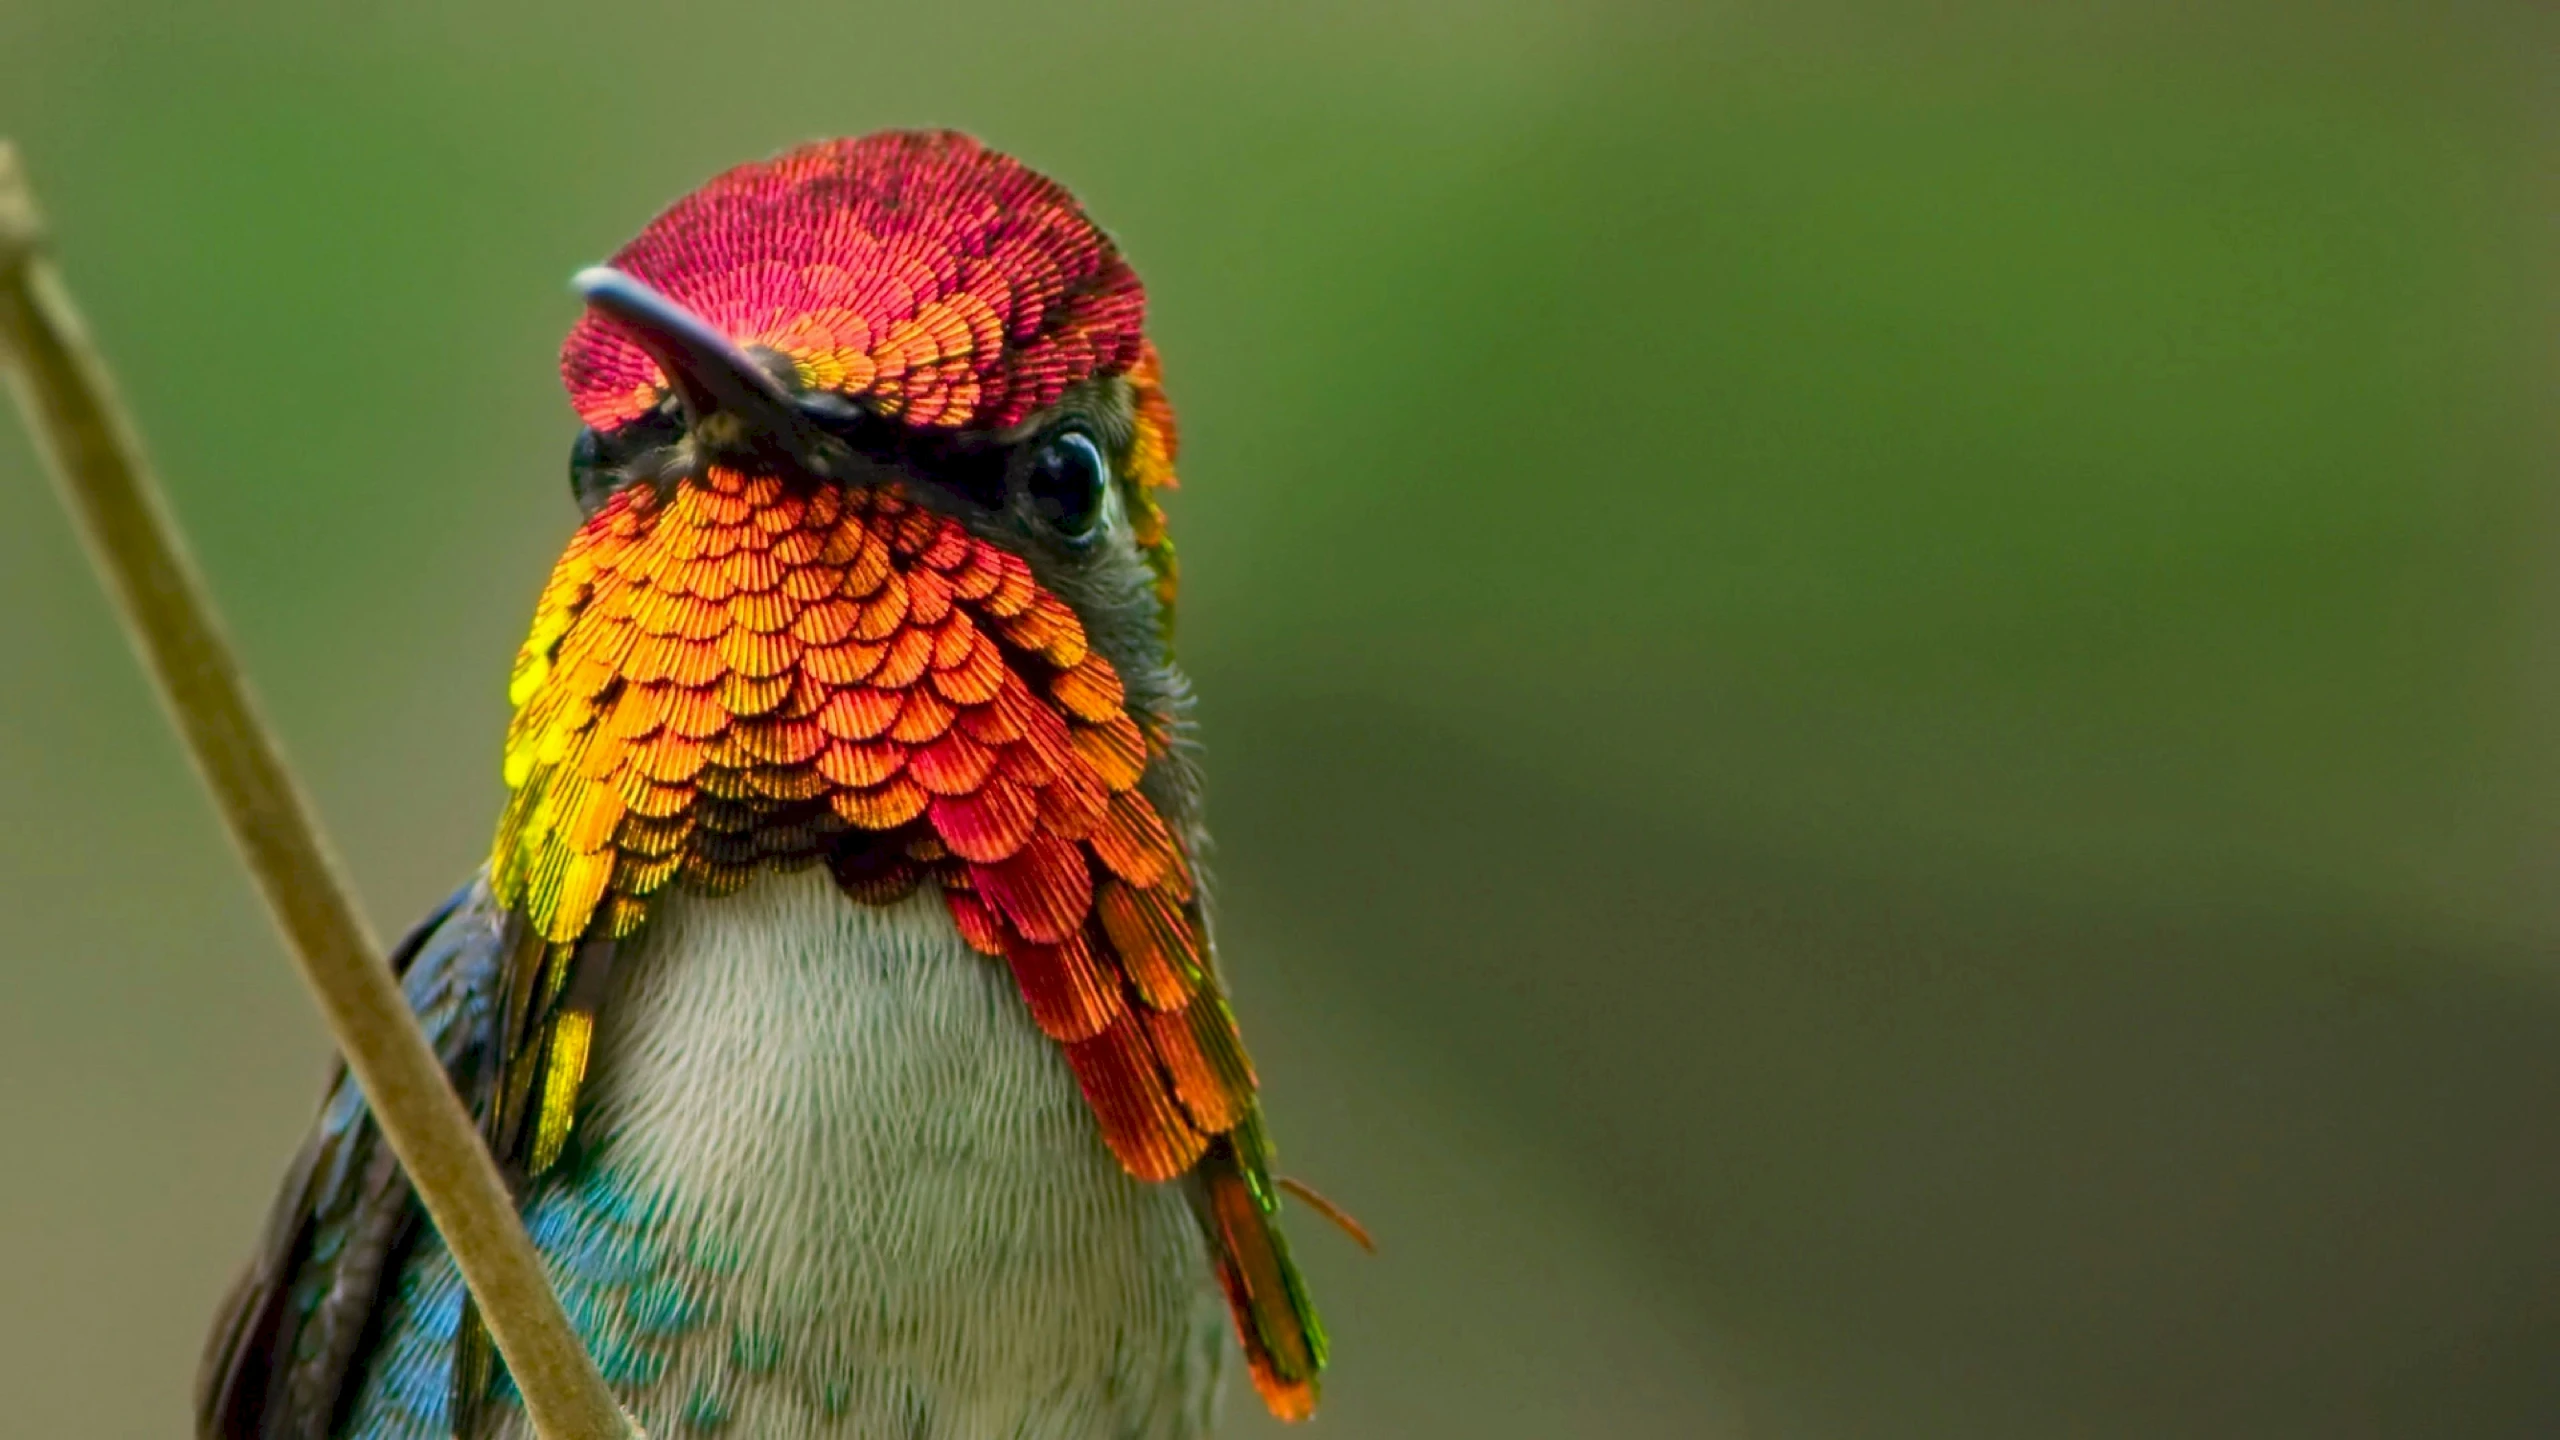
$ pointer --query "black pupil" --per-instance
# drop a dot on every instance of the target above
(596, 461)
(1065, 483)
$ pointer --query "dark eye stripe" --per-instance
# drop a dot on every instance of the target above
(967, 466)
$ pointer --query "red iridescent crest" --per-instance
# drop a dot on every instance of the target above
(947, 284)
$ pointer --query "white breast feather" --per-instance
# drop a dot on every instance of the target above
(924, 1212)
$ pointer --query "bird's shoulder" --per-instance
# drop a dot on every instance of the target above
(288, 1335)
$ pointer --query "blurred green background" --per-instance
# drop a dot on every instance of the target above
(1882, 677)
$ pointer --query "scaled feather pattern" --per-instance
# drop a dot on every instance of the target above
(744, 673)
(948, 284)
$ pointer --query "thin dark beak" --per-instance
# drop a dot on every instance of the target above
(728, 398)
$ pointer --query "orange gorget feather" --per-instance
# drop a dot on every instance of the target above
(743, 673)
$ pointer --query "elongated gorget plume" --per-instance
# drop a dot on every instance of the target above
(838, 990)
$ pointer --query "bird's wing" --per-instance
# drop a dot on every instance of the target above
(287, 1337)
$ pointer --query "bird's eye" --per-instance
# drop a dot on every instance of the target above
(591, 479)
(599, 463)
(1066, 484)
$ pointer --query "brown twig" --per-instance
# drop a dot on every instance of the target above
(97, 462)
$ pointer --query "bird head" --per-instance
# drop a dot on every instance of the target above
(909, 307)
(874, 440)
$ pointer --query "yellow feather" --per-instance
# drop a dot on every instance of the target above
(567, 1070)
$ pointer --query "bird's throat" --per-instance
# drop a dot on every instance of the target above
(736, 673)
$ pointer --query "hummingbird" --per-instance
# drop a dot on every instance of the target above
(839, 995)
